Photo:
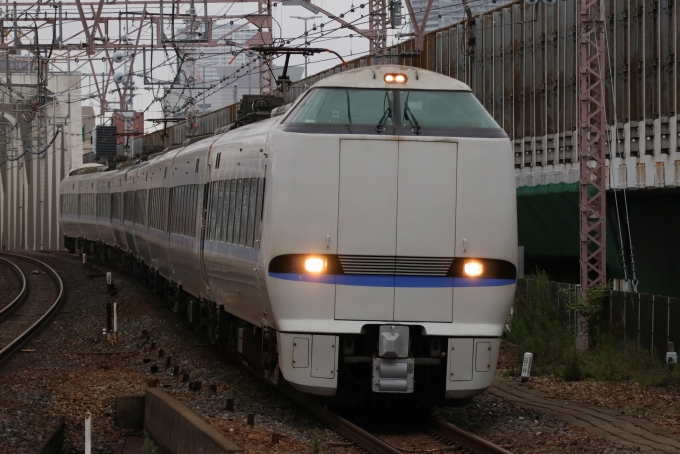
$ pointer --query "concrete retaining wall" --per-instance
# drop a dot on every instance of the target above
(178, 430)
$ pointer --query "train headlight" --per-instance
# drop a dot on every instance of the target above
(473, 268)
(395, 78)
(314, 264)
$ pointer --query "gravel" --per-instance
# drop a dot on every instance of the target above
(9, 285)
(74, 371)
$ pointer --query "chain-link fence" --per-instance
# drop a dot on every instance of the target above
(650, 321)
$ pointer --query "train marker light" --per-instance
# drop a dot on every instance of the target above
(473, 269)
(314, 264)
(395, 78)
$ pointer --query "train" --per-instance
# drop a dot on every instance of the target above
(358, 244)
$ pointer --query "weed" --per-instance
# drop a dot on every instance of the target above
(149, 447)
(537, 326)
(316, 445)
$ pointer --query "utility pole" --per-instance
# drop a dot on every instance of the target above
(592, 147)
(305, 19)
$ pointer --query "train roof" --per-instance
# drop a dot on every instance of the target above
(373, 77)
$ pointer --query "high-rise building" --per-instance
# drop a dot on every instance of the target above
(215, 77)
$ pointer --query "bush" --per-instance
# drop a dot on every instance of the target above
(536, 326)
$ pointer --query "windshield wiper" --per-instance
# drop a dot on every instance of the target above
(415, 126)
(387, 114)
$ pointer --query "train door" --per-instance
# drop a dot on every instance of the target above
(396, 230)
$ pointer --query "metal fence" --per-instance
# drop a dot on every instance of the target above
(650, 321)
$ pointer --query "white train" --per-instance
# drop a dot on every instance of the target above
(362, 245)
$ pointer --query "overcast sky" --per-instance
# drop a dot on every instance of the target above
(344, 41)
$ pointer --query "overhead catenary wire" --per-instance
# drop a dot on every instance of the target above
(634, 281)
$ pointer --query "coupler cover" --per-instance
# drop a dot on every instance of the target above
(393, 375)
(393, 341)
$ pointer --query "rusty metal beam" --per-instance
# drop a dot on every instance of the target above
(419, 28)
(592, 143)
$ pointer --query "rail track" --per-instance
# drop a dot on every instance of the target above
(442, 436)
(445, 436)
(40, 298)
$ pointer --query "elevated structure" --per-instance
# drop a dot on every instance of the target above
(41, 141)
(523, 68)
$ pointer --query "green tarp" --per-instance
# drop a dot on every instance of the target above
(548, 224)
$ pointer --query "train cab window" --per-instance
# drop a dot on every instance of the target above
(412, 109)
(346, 106)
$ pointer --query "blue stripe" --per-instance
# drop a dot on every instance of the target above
(361, 280)
(232, 250)
(318, 278)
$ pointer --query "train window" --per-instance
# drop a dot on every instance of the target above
(191, 215)
(165, 207)
(193, 212)
(197, 160)
(212, 210)
(183, 210)
(258, 212)
(243, 237)
(346, 106)
(232, 211)
(140, 206)
(252, 210)
(114, 206)
(410, 108)
(173, 209)
(129, 206)
(217, 160)
(182, 201)
(237, 214)
(153, 214)
(445, 110)
(221, 206)
(229, 194)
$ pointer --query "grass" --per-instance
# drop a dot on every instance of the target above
(536, 326)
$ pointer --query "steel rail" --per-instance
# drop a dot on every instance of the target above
(21, 297)
(42, 322)
(463, 438)
(356, 434)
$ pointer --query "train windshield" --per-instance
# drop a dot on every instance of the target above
(414, 108)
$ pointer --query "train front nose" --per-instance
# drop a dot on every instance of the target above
(396, 230)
